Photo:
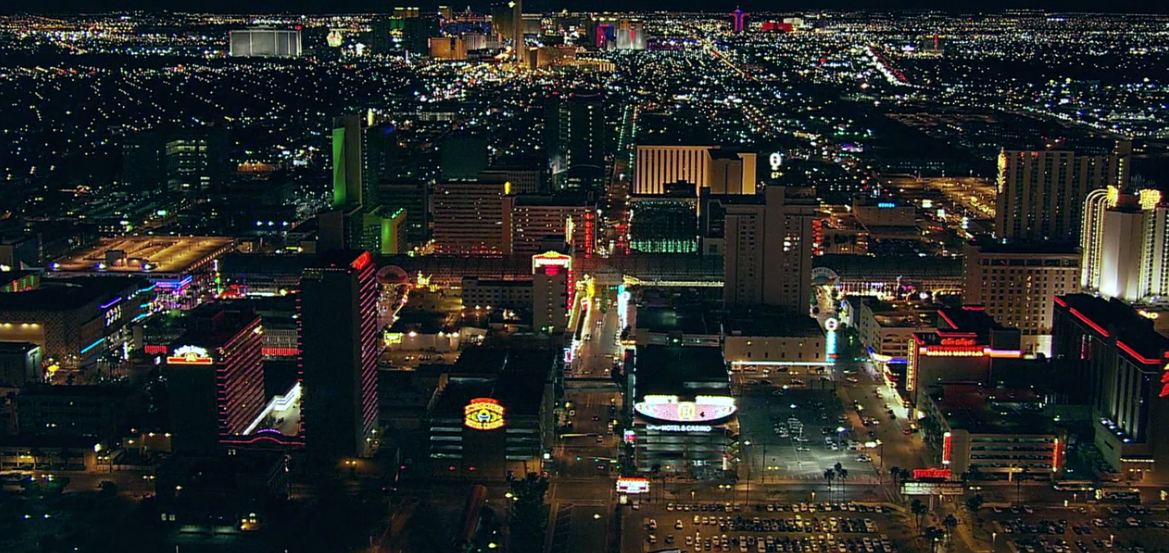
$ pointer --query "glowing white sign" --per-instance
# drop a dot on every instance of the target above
(776, 160)
(680, 427)
(702, 409)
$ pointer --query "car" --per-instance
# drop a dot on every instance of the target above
(907, 432)
(652, 539)
(853, 380)
(678, 524)
(670, 507)
(670, 539)
(600, 439)
(596, 418)
(689, 540)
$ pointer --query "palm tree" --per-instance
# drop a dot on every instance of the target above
(895, 473)
(829, 474)
(950, 523)
(974, 503)
(842, 474)
(919, 510)
(932, 535)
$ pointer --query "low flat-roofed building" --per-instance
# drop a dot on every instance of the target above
(75, 320)
(682, 325)
(483, 293)
(225, 491)
(994, 433)
(775, 343)
(679, 399)
(49, 453)
(159, 258)
(493, 413)
(97, 411)
(885, 330)
(1109, 357)
(20, 363)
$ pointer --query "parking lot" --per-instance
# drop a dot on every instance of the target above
(1081, 529)
(796, 433)
(772, 527)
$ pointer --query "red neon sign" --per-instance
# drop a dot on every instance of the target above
(947, 446)
(959, 342)
(154, 349)
(362, 260)
(937, 474)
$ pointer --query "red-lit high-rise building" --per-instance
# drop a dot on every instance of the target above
(340, 341)
(215, 376)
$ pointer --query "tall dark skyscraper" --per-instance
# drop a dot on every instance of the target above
(339, 341)
(575, 139)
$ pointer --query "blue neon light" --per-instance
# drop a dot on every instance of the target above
(885, 205)
(93, 345)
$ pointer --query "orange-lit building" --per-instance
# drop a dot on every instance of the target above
(448, 48)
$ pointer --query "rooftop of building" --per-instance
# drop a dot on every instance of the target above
(213, 324)
(566, 200)
(20, 348)
(884, 267)
(334, 259)
(1116, 317)
(681, 371)
(770, 322)
(980, 409)
(663, 319)
(901, 314)
(515, 378)
(144, 254)
(969, 326)
(59, 294)
(1047, 247)
(97, 390)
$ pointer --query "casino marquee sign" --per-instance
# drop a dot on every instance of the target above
(704, 409)
(483, 414)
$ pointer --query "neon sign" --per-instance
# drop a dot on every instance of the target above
(632, 485)
(959, 342)
(947, 447)
(702, 409)
(483, 414)
(190, 355)
(940, 474)
(680, 427)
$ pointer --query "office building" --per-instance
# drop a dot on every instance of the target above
(964, 347)
(994, 433)
(574, 126)
(1017, 284)
(777, 345)
(1041, 193)
(885, 330)
(655, 167)
(479, 293)
(215, 376)
(553, 291)
(95, 411)
(380, 163)
(180, 160)
(414, 199)
(469, 218)
(1109, 357)
(1125, 244)
(265, 43)
(462, 158)
(665, 223)
(768, 258)
(347, 161)
(340, 341)
(448, 48)
(534, 218)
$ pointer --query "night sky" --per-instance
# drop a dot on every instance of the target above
(341, 6)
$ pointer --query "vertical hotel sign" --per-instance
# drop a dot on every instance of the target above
(911, 366)
(947, 447)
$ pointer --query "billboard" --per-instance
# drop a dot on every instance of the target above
(484, 414)
(706, 409)
(190, 355)
(632, 485)
(932, 488)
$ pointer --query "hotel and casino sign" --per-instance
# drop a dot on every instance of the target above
(483, 414)
(190, 355)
